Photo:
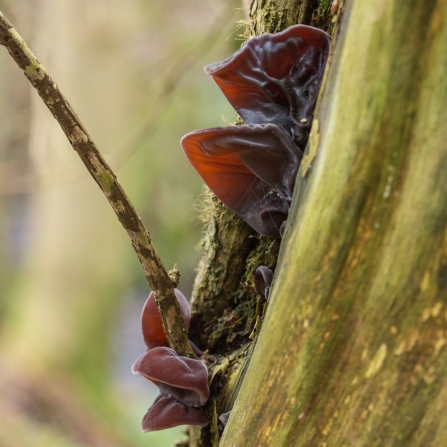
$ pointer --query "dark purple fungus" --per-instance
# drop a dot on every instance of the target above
(223, 418)
(275, 78)
(166, 412)
(152, 324)
(273, 83)
(185, 379)
(263, 281)
(183, 382)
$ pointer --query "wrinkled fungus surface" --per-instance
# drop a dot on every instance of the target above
(183, 382)
(166, 412)
(184, 378)
(273, 83)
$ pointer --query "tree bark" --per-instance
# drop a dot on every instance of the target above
(352, 348)
(226, 310)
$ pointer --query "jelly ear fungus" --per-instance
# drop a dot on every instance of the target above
(183, 382)
(250, 168)
(273, 83)
(184, 379)
(152, 324)
(166, 412)
(275, 78)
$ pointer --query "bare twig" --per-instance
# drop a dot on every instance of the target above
(156, 275)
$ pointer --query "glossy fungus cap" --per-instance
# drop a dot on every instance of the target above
(273, 83)
(275, 78)
(152, 324)
(184, 378)
(251, 169)
(166, 412)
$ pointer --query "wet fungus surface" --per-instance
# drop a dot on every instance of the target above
(152, 324)
(273, 83)
(182, 381)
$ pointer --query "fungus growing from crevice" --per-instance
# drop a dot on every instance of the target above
(263, 280)
(273, 83)
(223, 419)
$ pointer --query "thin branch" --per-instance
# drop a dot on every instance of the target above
(156, 275)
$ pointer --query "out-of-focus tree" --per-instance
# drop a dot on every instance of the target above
(352, 348)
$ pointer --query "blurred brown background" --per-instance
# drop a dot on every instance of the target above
(71, 287)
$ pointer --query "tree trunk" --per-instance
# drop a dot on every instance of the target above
(226, 310)
(352, 348)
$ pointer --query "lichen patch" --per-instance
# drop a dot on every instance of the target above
(425, 281)
(440, 343)
(400, 349)
(436, 309)
(34, 71)
(377, 361)
(78, 136)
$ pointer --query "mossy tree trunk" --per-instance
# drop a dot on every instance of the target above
(352, 348)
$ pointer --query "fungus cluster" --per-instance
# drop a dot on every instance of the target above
(273, 83)
(183, 382)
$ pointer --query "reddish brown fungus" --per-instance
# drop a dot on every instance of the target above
(183, 378)
(183, 382)
(275, 78)
(166, 412)
(273, 83)
(227, 159)
(152, 324)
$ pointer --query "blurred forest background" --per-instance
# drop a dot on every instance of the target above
(71, 287)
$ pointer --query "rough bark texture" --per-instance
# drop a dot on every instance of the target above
(225, 246)
(158, 278)
(227, 312)
(231, 249)
(352, 350)
(268, 16)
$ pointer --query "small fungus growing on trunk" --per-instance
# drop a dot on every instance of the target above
(183, 382)
(183, 378)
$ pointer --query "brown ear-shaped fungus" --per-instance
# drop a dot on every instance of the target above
(152, 324)
(273, 83)
(166, 412)
(250, 168)
(275, 78)
(184, 378)
(263, 280)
